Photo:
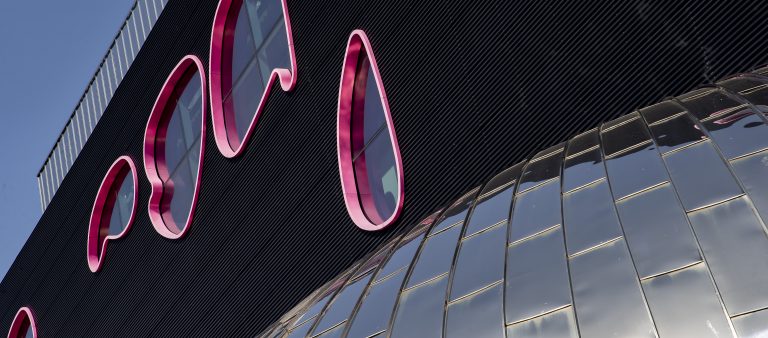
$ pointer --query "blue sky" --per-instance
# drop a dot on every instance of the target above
(48, 52)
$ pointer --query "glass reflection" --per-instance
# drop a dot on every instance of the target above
(256, 43)
(118, 206)
(180, 148)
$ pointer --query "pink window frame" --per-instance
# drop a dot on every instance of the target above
(221, 130)
(345, 134)
(154, 163)
(109, 184)
(18, 320)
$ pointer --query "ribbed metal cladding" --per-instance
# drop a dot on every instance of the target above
(472, 89)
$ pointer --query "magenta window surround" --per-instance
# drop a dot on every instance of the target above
(113, 210)
(23, 324)
(370, 164)
(251, 48)
(174, 144)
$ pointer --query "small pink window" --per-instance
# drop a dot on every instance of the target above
(370, 165)
(113, 211)
(23, 325)
(251, 48)
(174, 143)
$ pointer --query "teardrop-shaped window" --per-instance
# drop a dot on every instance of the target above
(113, 211)
(251, 47)
(23, 325)
(369, 157)
(173, 148)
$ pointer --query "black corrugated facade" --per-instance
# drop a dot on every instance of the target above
(474, 87)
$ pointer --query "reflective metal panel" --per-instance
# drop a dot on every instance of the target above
(582, 142)
(436, 256)
(420, 311)
(589, 217)
(735, 247)
(480, 261)
(301, 331)
(334, 333)
(657, 231)
(752, 325)
(545, 165)
(582, 169)
(684, 303)
(676, 133)
(376, 308)
(490, 210)
(739, 132)
(635, 170)
(752, 171)
(700, 176)
(479, 315)
(342, 305)
(558, 324)
(456, 213)
(537, 276)
(401, 257)
(709, 103)
(536, 210)
(607, 294)
(624, 136)
(660, 111)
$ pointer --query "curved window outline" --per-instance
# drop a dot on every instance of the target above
(287, 79)
(358, 41)
(18, 323)
(108, 184)
(150, 134)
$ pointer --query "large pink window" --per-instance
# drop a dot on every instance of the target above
(174, 143)
(23, 325)
(369, 157)
(113, 211)
(251, 48)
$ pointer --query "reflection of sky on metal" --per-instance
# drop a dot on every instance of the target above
(78, 32)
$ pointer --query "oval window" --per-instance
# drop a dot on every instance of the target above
(113, 211)
(173, 148)
(23, 325)
(251, 48)
(369, 157)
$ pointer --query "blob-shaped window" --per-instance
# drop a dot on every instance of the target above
(23, 325)
(251, 47)
(174, 143)
(113, 211)
(369, 157)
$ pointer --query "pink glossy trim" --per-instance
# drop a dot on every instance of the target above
(18, 327)
(116, 172)
(223, 132)
(346, 135)
(154, 163)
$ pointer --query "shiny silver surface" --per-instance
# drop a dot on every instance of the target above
(648, 226)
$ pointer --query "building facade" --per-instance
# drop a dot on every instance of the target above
(411, 169)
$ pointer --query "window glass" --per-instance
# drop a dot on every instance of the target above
(180, 148)
(373, 159)
(123, 204)
(255, 43)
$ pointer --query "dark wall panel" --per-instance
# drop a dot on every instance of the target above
(473, 89)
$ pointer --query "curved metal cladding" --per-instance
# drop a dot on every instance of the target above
(651, 225)
(474, 87)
